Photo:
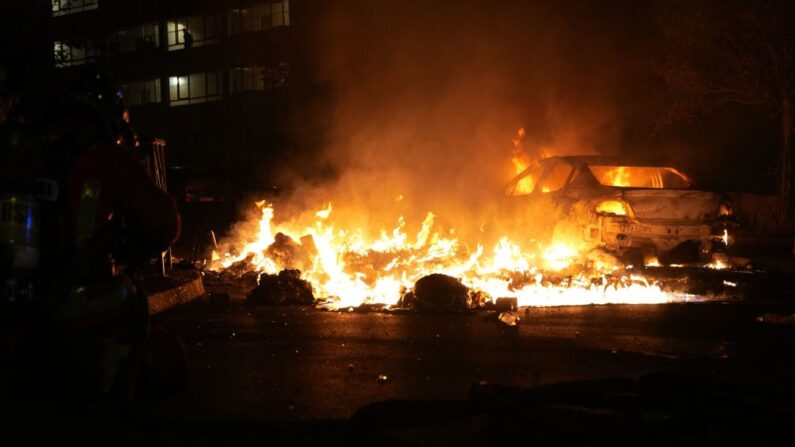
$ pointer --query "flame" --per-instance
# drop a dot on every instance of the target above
(349, 269)
(521, 160)
(325, 212)
(718, 264)
(720, 261)
(559, 256)
(652, 262)
(618, 176)
(612, 207)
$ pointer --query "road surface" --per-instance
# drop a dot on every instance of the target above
(291, 363)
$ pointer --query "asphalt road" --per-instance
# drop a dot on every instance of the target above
(291, 363)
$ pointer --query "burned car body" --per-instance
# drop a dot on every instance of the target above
(627, 208)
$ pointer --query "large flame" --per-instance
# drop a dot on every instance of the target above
(521, 159)
(347, 269)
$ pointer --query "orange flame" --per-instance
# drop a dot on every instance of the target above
(394, 261)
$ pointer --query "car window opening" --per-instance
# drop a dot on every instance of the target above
(556, 177)
(639, 177)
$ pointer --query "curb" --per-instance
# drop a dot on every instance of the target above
(192, 288)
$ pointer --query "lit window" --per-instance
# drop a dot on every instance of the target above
(74, 52)
(193, 31)
(259, 17)
(280, 14)
(194, 88)
(135, 38)
(257, 77)
(63, 7)
(142, 92)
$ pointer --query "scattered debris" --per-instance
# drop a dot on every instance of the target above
(510, 318)
(286, 288)
(249, 279)
(284, 251)
(407, 299)
(237, 269)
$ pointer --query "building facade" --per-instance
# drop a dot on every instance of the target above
(219, 81)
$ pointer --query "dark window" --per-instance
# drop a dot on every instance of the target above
(142, 92)
(135, 38)
(259, 17)
(257, 78)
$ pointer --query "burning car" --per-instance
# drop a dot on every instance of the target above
(628, 209)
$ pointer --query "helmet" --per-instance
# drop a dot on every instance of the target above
(105, 101)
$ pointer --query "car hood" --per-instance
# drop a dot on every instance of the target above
(673, 205)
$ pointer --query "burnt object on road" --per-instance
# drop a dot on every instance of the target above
(441, 292)
(286, 288)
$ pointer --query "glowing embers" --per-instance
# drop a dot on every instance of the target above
(718, 264)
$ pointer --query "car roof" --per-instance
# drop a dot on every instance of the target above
(607, 160)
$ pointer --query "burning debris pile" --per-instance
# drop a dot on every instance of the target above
(331, 267)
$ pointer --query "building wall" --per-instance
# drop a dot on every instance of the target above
(247, 62)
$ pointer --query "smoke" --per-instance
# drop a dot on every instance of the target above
(427, 96)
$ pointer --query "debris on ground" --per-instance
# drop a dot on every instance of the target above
(510, 318)
(237, 269)
(776, 319)
(249, 280)
(441, 292)
(284, 251)
(286, 288)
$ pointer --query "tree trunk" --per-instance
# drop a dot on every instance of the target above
(785, 161)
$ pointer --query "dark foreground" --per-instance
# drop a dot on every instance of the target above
(302, 373)
(302, 364)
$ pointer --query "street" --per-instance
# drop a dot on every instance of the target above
(290, 363)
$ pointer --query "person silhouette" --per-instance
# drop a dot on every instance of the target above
(187, 38)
